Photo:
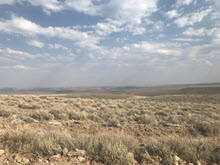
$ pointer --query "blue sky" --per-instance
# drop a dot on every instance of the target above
(68, 43)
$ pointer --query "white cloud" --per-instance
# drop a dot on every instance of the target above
(195, 32)
(188, 39)
(216, 37)
(57, 46)
(123, 15)
(20, 58)
(156, 48)
(181, 22)
(10, 56)
(17, 67)
(191, 19)
(20, 67)
(154, 25)
(200, 32)
(213, 33)
(158, 26)
(172, 14)
(121, 40)
(180, 3)
(119, 15)
(135, 30)
(35, 43)
(145, 50)
(124, 10)
(7, 2)
(16, 54)
(20, 25)
(108, 27)
(129, 11)
(162, 55)
(84, 6)
(215, 16)
(25, 27)
(47, 5)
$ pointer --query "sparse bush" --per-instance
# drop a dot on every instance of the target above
(63, 116)
(147, 119)
(27, 119)
(4, 113)
(207, 129)
(187, 149)
(111, 120)
(110, 149)
(157, 147)
(24, 118)
(161, 113)
(56, 113)
(36, 141)
(43, 97)
(42, 115)
(94, 117)
(28, 106)
(75, 115)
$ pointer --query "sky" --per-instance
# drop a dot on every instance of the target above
(76, 43)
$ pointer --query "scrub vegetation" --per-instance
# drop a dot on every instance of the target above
(120, 130)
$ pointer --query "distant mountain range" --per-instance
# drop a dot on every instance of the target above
(7, 90)
(97, 89)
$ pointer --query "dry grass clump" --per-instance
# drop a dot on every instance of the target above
(41, 115)
(206, 128)
(147, 120)
(36, 141)
(162, 114)
(77, 115)
(28, 106)
(110, 149)
(19, 118)
(109, 118)
(56, 114)
(68, 114)
(188, 149)
(4, 113)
